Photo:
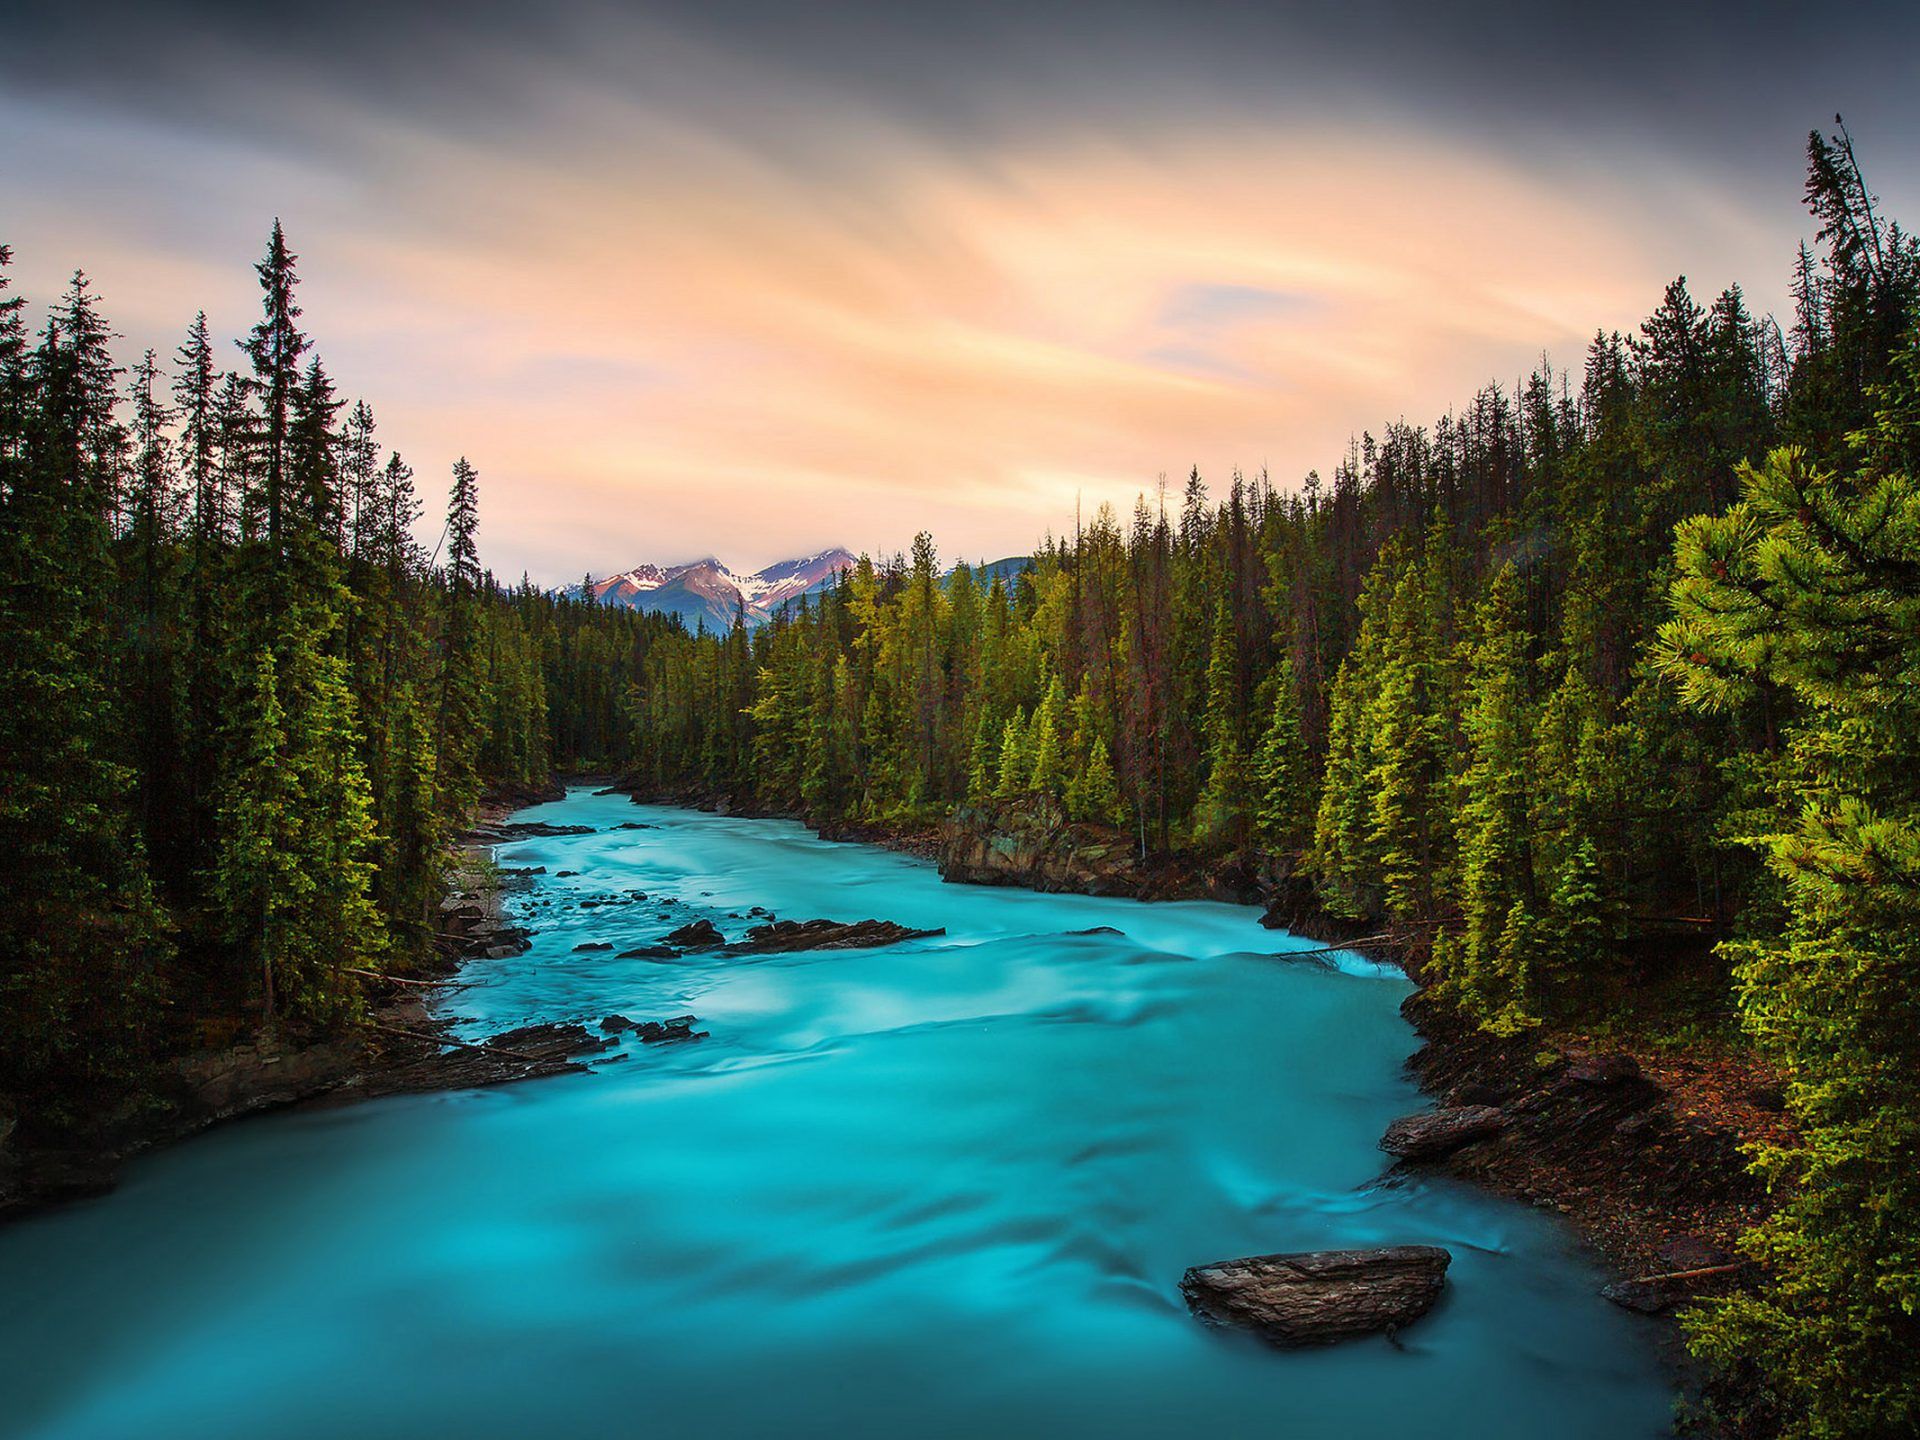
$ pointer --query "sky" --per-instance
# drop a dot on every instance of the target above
(754, 279)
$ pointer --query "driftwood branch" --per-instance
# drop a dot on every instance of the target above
(1353, 944)
(392, 979)
(1699, 1274)
(481, 1046)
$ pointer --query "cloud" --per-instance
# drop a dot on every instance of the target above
(681, 281)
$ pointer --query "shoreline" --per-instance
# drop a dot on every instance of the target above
(1639, 1153)
(398, 1048)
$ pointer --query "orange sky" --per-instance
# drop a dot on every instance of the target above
(662, 327)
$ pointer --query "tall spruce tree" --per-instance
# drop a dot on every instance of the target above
(1810, 581)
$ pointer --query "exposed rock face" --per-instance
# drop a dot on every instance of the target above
(1030, 842)
(783, 936)
(260, 1075)
(1434, 1133)
(697, 935)
(1320, 1296)
(648, 952)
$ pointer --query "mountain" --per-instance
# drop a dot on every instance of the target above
(707, 592)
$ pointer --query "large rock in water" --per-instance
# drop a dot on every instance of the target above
(696, 935)
(786, 936)
(1316, 1297)
(1433, 1134)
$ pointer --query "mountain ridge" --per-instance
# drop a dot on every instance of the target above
(706, 591)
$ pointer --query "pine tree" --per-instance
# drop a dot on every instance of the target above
(1016, 765)
(1282, 775)
(1094, 793)
(1497, 894)
(1408, 720)
(1047, 772)
(1222, 813)
(457, 730)
(1809, 582)
(82, 942)
(275, 346)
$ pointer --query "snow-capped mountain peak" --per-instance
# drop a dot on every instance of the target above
(708, 591)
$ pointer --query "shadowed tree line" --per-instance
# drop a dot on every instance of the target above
(245, 707)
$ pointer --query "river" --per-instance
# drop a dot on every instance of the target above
(946, 1188)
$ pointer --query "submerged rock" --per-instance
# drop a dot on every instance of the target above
(1436, 1133)
(656, 1032)
(1319, 1296)
(784, 936)
(649, 952)
(593, 945)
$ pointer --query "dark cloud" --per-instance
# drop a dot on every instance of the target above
(1728, 82)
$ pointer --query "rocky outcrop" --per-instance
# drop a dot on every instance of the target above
(1434, 1134)
(434, 1060)
(1029, 841)
(501, 832)
(1320, 1296)
(787, 936)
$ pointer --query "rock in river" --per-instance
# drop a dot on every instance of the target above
(655, 1032)
(1319, 1296)
(785, 936)
(1433, 1134)
(698, 935)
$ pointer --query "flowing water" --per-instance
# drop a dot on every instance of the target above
(942, 1189)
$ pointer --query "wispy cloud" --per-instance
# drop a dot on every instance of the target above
(674, 291)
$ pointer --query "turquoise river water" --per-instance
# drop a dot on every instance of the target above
(942, 1189)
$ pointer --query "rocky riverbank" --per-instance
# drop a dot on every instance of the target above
(398, 1048)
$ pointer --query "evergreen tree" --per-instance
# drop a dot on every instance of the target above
(456, 734)
(1282, 777)
(1490, 967)
(1222, 813)
(1809, 582)
(274, 347)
